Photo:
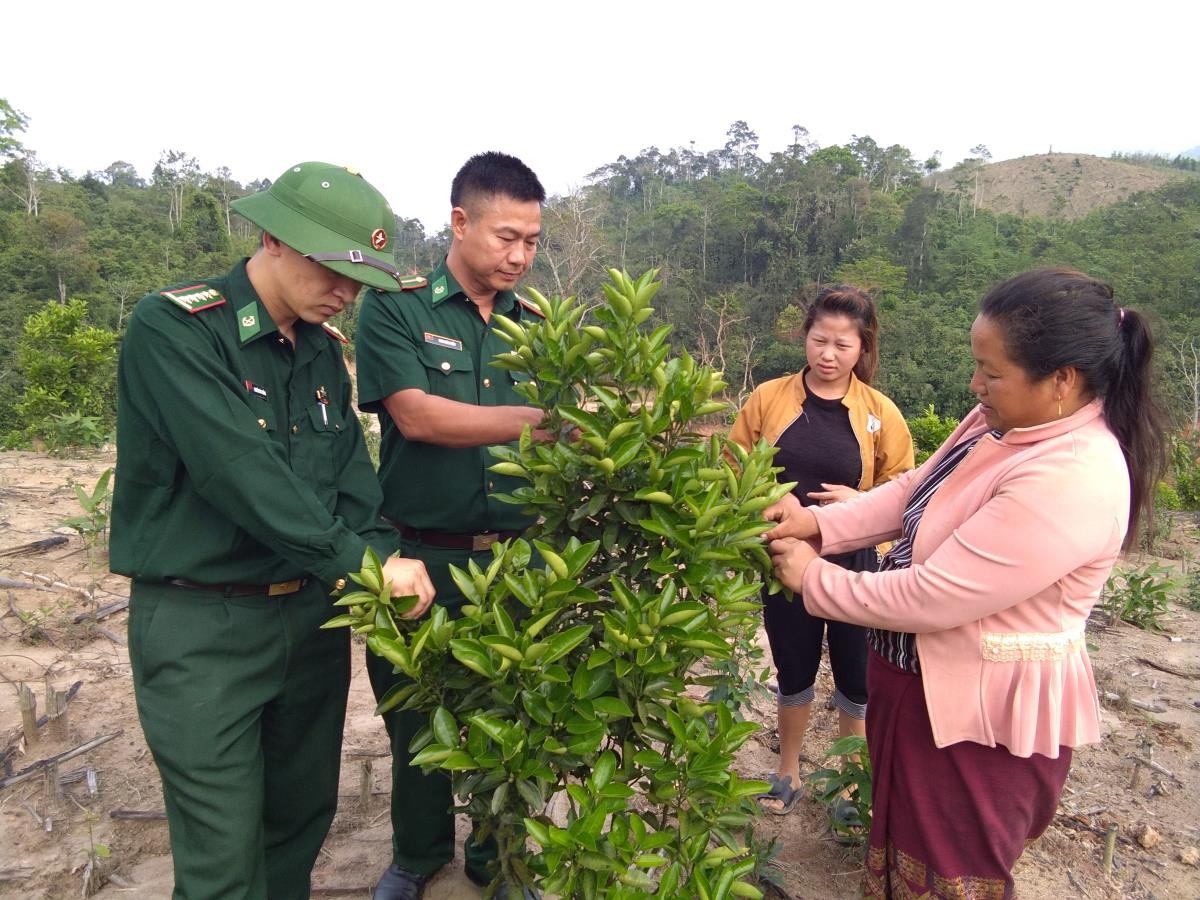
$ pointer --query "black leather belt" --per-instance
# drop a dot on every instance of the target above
(276, 589)
(472, 542)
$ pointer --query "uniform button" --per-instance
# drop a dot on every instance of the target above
(295, 429)
(487, 382)
(340, 584)
(262, 423)
(282, 340)
(446, 367)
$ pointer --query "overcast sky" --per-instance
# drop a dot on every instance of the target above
(406, 92)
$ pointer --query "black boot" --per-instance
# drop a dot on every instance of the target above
(399, 884)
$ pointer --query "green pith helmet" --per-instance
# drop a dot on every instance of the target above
(332, 215)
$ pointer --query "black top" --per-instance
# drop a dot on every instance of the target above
(818, 447)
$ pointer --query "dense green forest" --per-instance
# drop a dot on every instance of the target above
(743, 238)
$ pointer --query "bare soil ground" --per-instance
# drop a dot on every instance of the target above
(48, 841)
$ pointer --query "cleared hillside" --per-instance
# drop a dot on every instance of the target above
(1055, 185)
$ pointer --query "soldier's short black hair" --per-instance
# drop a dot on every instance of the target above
(492, 173)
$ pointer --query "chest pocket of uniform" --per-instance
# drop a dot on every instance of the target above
(451, 373)
(330, 422)
(315, 445)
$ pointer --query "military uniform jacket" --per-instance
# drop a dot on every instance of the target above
(239, 458)
(433, 339)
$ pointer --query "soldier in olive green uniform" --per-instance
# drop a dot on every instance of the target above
(423, 366)
(244, 493)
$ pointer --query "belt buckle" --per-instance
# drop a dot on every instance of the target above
(483, 541)
(283, 587)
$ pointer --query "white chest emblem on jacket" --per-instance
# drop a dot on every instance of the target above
(873, 424)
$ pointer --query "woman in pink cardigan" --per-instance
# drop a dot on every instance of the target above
(979, 679)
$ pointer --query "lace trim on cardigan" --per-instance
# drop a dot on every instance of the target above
(1031, 646)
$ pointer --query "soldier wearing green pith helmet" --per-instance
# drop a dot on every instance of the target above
(244, 494)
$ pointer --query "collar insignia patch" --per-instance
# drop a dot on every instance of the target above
(248, 324)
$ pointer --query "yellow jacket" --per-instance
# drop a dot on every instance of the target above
(884, 442)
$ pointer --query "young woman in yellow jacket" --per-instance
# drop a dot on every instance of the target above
(837, 436)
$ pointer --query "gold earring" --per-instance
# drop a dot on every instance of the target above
(1060, 409)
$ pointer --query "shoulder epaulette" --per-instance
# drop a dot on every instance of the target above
(531, 306)
(334, 333)
(412, 282)
(195, 297)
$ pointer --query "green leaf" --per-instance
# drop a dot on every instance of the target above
(537, 707)
(739, 789)
(492, 727)
(583, 420)
(538, 831)
(445, 727)
(395, 695)
(466, 585)
(564, 643)
(531, 793)
(604, 769)
(433, 755)
(458, 761)
(612, 707)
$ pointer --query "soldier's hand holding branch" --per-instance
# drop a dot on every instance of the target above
(408, 579)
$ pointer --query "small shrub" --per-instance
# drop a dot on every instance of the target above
(73, 430)
(69, 367)
(1191, 591)
(92, 525)
(1166, 497)
(1185, 468)
(1161, 525)
(1139, 597)
(929, 431)
(852, 780)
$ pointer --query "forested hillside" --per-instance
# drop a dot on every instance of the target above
(743, 236)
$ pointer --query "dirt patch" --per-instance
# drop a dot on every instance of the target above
(1060, 185)
(1156, 814)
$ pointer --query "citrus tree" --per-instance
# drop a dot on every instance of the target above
(575, 701)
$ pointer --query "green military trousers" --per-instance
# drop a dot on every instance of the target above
(242, 700)
(422, 821)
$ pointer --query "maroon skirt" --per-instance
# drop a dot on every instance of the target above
(946, 822)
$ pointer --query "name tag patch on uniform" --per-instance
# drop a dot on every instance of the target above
(438, 340)
(255, 389)
(873, 424)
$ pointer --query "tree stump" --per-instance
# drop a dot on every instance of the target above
(28, 701)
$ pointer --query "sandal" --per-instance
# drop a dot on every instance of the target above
(781, 790)
(845, 822)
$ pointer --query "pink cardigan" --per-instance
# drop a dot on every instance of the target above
(1010, 557)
